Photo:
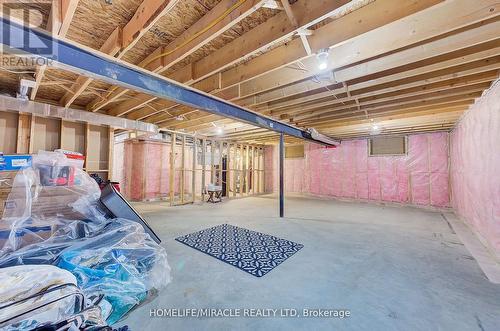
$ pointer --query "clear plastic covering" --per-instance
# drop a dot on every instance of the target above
(53, 216)
(47, 292)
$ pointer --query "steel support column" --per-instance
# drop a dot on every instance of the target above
(282, 167)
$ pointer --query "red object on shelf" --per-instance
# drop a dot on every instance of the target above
(116, 185)
(57, 176)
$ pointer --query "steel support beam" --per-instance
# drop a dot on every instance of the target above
(82, 60)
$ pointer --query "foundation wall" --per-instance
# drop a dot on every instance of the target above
(419, 178)
(475, 168)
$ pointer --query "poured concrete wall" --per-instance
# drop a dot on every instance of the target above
(475, 168)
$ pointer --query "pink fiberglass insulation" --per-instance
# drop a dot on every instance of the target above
(419, 178)
(146, 169)
(118, 173)
(270, 165)
(475, 162)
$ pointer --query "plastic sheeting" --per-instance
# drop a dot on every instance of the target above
(65, 226)
(420, 177)
(475, 162)
(21, 288)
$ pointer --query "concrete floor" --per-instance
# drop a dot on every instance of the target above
(393, 268)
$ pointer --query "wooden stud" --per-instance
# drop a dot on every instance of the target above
(235, 168)
(228, 169)
(212, 162)
(240, 171)
(172, 168)
(193, 175)
(253, 170)
(247, 169)
(183, 165)
(203, 168)
(221, 149)
(23, 134)
(111, 149)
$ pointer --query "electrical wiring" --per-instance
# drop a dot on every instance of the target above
(197, 34)
(16, 72)
(208, 27)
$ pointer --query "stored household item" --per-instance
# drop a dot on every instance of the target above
(102, 183)
(74, 158)
(57, 176)
(254, 252)
(116, 259)
(33, 297)
(214, 193)
(119, 207)
(14, 162)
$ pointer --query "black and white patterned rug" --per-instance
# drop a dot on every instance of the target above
(254, 252)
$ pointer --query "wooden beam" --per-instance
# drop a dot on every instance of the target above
(415, 105)
(419, 21)
(60, 18)
(111, 46)
(401, 114)
(203, 168)
(209, 27)
(122, 40)
(193, 174)
(63, 21)
(481, 80)
(221, 18)
(275, 29)
(183, 168)
(426, 24)
(235, 168)
(476, 71)
(172, 169)
(289, 12)
(23, 134)
(462, 65)
(39, 73)
(367, 18)
(147, 15)
(111, 150)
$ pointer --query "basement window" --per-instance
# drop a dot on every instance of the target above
(294, 152)
(384, 146)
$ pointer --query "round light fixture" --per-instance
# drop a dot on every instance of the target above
(322, 58)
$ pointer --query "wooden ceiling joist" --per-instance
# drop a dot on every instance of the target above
(274, 30)
(123, 39)
(333, 33)
(482, 57)
(390, 83)
(60, 18)
(409, 66)
(209, 27)
(476, 83)
(424, 30)
(423, 25)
